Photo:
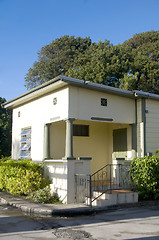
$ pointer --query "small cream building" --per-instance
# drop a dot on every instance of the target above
(77, 127)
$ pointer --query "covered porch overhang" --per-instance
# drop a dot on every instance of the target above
(68, 149)
(74, 139)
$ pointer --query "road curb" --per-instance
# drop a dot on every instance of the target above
(45, 209)
(63, 210)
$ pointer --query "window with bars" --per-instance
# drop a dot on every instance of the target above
(25, 143)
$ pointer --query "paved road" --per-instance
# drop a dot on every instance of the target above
(16, 226)
(135, 223)
(141, 224)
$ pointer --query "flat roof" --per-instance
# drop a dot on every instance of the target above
(61, 81)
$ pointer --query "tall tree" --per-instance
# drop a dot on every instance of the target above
(102, 63)
(131, 65)
(143, 72)
(55, 58)
(5, 130)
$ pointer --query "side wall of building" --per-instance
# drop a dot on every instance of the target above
(36, 114)
(152, 125)
(147, 126)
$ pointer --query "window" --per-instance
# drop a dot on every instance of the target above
(81, 130)
(25, 143)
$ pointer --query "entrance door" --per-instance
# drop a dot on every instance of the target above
(120, 143)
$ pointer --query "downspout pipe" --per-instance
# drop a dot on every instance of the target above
(143, 96)
(134, 132)
(143, 119)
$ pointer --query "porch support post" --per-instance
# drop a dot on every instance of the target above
(69, 139)
(47, 141)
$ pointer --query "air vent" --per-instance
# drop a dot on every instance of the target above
(103, 102)
(55, 101)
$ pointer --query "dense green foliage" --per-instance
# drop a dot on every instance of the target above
(21, 177)
(44, 196)
(145, 173)
(5, 130)
(55, 58)
(131, 65)
(143, 71)
(101, 63)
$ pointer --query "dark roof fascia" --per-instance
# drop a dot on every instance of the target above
(108, 89)
(32, 91)
(84, 84)
(142, 94)
(76, 82)
(97, 86)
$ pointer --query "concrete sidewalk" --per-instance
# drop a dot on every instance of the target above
(44, 209)
(62, 209)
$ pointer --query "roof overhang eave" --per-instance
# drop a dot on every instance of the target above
(98, 87)
(35, 92)
(140, 94)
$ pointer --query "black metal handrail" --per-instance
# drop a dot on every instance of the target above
(108, 178)
(103, 168)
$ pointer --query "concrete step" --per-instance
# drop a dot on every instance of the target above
(113, 198)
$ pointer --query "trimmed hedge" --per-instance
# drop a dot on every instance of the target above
(21, 177)
(145, 173)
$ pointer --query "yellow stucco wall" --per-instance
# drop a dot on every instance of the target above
(57, 139)
(95, 146)
(98, 146)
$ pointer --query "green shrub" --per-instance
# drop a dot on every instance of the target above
(145, 173)
(21, 177)
(4, 159)
(44, 196)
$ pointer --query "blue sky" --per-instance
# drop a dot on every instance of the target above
(27, 25)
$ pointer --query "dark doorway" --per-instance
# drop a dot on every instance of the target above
(120, 140)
